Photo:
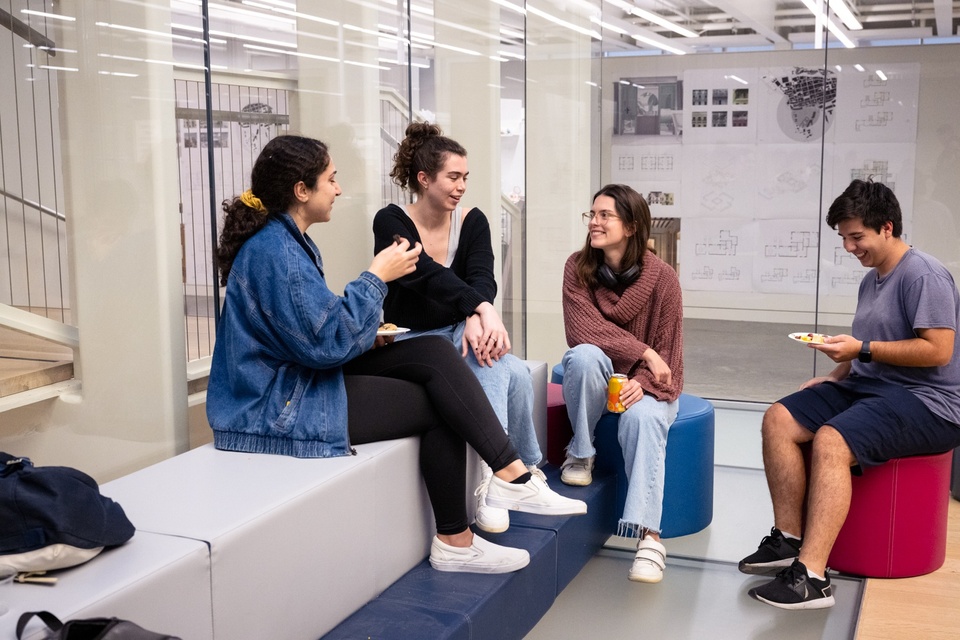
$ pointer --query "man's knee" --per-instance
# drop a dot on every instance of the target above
(779, 424)
(830, 443)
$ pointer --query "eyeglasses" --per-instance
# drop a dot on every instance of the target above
(603, 217)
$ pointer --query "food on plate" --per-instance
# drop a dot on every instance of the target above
(387, 326)
(815, 338)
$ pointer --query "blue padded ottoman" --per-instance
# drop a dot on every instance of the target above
(688, 485)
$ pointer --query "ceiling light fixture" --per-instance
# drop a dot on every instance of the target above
(831, 25)
(629, 7)
(846, 16)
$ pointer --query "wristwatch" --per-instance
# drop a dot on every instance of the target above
(864, 355)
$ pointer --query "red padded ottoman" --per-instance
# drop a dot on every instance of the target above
(897, 524)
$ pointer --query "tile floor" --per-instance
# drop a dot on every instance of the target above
(703, 595)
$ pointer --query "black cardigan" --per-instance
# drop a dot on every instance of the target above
(434, 296)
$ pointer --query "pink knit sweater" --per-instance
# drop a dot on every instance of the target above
(649, 314)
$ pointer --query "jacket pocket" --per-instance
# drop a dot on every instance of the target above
(287, 398)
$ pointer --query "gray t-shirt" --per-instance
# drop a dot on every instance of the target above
(919, 293)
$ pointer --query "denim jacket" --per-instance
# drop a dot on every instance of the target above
(276, 379)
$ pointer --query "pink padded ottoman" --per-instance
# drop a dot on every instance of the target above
(897, 524)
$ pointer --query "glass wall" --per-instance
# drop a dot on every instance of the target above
(739, 123)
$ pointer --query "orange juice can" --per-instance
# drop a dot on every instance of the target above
(613, 393)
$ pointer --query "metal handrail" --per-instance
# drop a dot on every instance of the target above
(35, 205)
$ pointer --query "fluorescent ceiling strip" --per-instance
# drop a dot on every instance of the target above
(631, 8)
(292, 13)
(563, 23)
(312, 56)
(511, 6)
(54, 16)
(831, 25)
(845, 14)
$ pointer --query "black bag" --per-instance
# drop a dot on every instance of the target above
(54, 517)
(90, 629)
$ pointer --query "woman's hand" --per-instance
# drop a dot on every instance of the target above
(396, 261)
(472, 339)
(630, 393)
(657, 367)
(493, 340)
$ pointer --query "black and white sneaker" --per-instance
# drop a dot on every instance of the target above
(774, 553)
(794, 589)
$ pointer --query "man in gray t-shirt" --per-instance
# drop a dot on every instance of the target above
(894, 392)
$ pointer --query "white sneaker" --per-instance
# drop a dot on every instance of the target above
(533, 496)
(480, 557)
(490, 519)
(650, 561)
(577, 471)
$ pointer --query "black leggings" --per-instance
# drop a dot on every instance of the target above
(422, 386)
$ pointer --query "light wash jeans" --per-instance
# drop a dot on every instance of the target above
(509, 387)
(642, 433)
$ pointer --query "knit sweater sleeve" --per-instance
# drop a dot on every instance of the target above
(665, 335)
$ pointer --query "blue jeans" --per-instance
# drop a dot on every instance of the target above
(642, 433)
(509, 388)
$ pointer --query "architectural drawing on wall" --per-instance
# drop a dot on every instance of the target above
(731, 274)
(698, 119)
(716, 201)
(805, 276)
(790, 181)
(719, 97)
(725, 244)
(703, 273)
(719, 118)
(664, 198)
(841, 257)
(881, 119)
(741, 96)
(656, 162)
(801, 244)
(876, 170)
(878, 107)
(808, 98)
(699, 97)
(625, 163)
(777, 274)
(741, 118)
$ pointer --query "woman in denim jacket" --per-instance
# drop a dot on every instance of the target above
(295, 365)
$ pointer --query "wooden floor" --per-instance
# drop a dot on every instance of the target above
(926, 607)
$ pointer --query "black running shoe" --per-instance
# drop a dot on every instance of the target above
(774, 553)
(794, 589)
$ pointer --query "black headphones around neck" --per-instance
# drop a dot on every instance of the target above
(612, 280)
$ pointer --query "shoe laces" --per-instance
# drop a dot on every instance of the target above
(483, 487)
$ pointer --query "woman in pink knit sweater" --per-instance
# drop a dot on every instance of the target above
(623, 313)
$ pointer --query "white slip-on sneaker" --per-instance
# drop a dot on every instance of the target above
(649, 563)
(480, 557)
(577, 471)
(533, 496)
(490, 519)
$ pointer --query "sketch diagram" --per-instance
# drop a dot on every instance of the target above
(800, 245)
(806, 276)
(790, 181)
(716, 202)
(625, 163)
(878, 99)
(851, 279)
(724, 245)
(809, 97)
(840, 254)
(881, 119)
(779, 274)
(876, 170)
(703, 273)
(656, 163)
(729, 274)
(665, 198)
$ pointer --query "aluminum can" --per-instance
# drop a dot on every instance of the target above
(613, 393)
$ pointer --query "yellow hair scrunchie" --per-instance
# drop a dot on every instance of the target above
(252, 201)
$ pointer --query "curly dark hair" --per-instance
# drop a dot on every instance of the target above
(635, 215)
(424, 148)
(282, 163)
(872, 202)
